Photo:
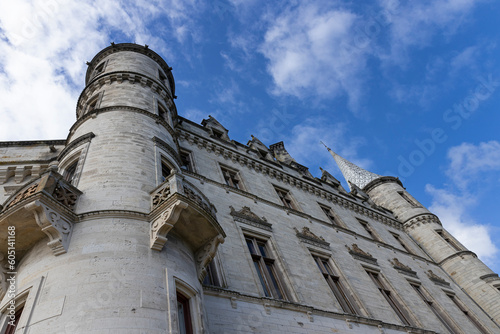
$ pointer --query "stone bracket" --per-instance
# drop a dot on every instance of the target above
(54, 225)
(161, 226)
(206, 254)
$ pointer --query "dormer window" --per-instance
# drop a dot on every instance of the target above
(99, 68)
(217, 133)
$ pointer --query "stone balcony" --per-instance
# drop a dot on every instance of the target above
(42, 208)
(178, 207)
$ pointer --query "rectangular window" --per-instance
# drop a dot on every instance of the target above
(217, 133)
(212, 277)
(265, 268)
(11, 327)
(345, 300)
(369, 230)
(166, 170)
(467, 314)
(232, 178)
(69, 172)
(186, 161)
(328, 212)
(389, 297)
(184, 314)
(286, 198)
(403, 244)
(448, 239)
(407, 198)
(434, 308)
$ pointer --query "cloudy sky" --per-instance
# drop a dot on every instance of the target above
(403, 88)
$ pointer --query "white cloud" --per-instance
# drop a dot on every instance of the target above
(44, 48)
(306, 53)
(452, 208)
(467, 163)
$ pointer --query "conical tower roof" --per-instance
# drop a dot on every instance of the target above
(353, 174)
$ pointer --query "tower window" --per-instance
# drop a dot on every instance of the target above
(162, 112)
(389, 297)
(70, 171)
(217, 134)
(184, 314)
(166, 169)
(162, 76)
(407, 198)
(434, 308)
(448, 239)
(99, 68)
(467, 313)
(265, 268)
(369, 230)
(340, 292)
(186, 161)
(232, 178)
(12, 325)
(212, 277)
(286, 198)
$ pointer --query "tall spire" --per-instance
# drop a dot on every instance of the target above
(353, 174)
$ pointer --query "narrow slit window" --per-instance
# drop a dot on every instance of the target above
(186, 161)
(12, 325)
(70, 171)
(166, 170)
(212, 277)
(447, 238)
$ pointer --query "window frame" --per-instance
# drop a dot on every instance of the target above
(265, 267)
(331, 215)
(390, 296)
(449, 239)
(230, 175)
(401, 242)
(369, 229)
(468, 314)
(341, 292)
(286, 198)
(190, 163)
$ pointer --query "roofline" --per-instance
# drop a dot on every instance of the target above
(33, 142)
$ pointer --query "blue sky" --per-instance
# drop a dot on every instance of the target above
(403, 88)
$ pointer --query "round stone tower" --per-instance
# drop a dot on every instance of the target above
(425, 228)
(129, 235)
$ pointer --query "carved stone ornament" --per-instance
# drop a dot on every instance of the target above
(245, 215)
(402, 268)
(309, 237)
(161, 226)
(436, 279)
(359, 254)
(206, 254)
(54, 225)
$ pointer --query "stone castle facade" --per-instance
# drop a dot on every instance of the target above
(142, 221)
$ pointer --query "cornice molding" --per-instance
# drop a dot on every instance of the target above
(273, 173)
(421, 219)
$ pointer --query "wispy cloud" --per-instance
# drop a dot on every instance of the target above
(468, 163)
(302, 47)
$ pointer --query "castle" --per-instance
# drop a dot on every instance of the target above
(142, 221)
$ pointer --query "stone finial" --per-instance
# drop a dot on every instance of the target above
(281, 154)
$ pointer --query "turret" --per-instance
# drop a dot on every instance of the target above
(125, 114)
(426, 229)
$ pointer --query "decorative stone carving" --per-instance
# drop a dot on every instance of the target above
(161, 196)
(436, 279)
(404, 269)
(422, 219)
(23, 195)
(359, 254)
(309, 237)
(245, 215)
(54, 225)
(206, 254)
(161, 226)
